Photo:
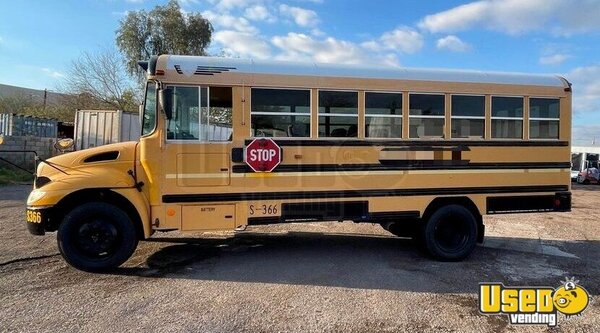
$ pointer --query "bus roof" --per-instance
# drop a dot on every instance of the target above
(189, 65)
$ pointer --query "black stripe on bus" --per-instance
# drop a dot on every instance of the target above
(217, 197)
(391, 165)
(512, 204)
(377, 217)
(419, 143)
(392, 216)
(453, 148)
(264, 220)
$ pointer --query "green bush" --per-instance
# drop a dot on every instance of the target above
(12, 176)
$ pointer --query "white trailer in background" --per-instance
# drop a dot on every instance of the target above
(100, 127)
(583, 158)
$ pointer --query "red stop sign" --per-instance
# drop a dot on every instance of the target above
(262, 155)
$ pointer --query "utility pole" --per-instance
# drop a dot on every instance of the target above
(45, 98)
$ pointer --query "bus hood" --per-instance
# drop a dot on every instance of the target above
(105, 166)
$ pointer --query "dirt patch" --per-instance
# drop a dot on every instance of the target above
(301, 277)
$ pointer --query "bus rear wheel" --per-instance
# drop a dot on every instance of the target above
(450, 233)
(96, 237)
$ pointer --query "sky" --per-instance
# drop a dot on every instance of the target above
(39, 39)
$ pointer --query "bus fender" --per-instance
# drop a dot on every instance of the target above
(141, 205)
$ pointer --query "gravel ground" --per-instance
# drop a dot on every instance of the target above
(304, 277)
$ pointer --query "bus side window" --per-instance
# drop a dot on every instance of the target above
(201, 114)
(468, 116)
(544, 118)
(507, 117)
(426, 116)
(280, 112)
(383, 115)
(338, 114)
(217, 123)
(184, 123)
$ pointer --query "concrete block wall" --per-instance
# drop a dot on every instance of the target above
(44, 147)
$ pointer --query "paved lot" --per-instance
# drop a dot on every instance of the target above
(306, 277)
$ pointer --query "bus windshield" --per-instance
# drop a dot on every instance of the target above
(149, 115)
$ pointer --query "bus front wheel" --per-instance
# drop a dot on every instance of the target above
(450, 233)
(96, 236)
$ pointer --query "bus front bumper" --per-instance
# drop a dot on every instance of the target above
(37, 219)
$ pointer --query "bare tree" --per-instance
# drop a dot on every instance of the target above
(100, 80)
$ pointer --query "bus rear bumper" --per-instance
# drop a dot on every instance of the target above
(562, 202)
(557, 202)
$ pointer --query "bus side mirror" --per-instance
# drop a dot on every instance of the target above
(166, 101)
(64, 144)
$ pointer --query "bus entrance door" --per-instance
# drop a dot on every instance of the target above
(203, 169)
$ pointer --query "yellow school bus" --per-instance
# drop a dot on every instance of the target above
(228, 143)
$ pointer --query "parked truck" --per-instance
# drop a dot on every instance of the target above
(583, 158)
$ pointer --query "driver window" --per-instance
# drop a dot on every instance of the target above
(201, 114)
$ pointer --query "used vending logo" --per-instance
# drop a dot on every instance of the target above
(533, 305)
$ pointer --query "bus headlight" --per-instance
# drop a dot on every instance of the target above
(34, 196)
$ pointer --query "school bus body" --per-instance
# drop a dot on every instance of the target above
(349, 173)
(196, 186)
(349, 170)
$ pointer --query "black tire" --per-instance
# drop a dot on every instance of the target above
(96, 237)
(450, 233)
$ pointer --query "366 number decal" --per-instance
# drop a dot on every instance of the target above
(263, 209)
(34, 217)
